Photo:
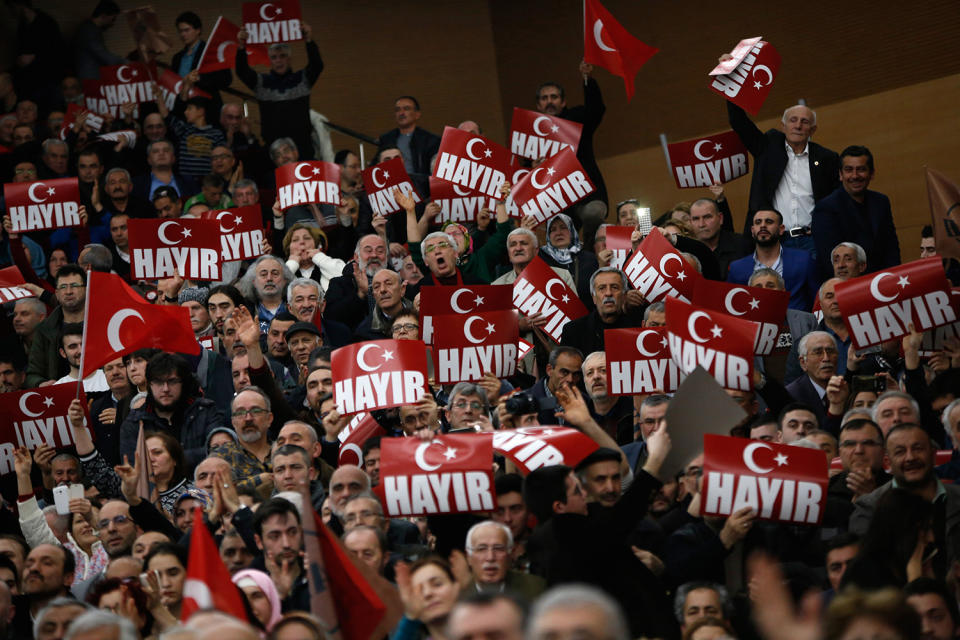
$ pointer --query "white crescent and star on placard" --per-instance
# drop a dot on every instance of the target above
(667, 257)
(120, 71)
(221, 49)
(469, 148)
(728, 301)
(457, 190)
(550, 294)
(751, 463)
(297, 172)
(361, 357)
(373, 174)
(715, 331)
(237, 221)
(47, 402)
(536, 126)
(455, 301)
(902, 282)
(419, 457)
(766, 70)
(641, 346)
(263, 9)
(31, 192)
(165, 239)
(538, 185)
(468, 331)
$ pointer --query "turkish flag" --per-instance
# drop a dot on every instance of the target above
(221, 49)
(378, 374)
(438, 300)
(619, 240)
(944, 196)
(44, 204)
(553, 187)
(464, 349)
(208, 584)
(749, 84)
(533, 447)
(170, 84)
(472, 161)
(449, 474)
(162, 248)
(538, 135)
(781, 483)
(309, 182)
(638, 361)
(11, 285)
(381, 180)
(37, 416)
(119, 321)
(721, 344)
(241, 231)
(123, 83)
(607, 44)
(539, 290)
(361, 428)
(766, 306)
(658, 271)
(879, 306)
(270, 22)
(702, 162)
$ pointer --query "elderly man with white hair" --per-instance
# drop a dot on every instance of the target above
(577, 610)
(488, 547)
(817, 353)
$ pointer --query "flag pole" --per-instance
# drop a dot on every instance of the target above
(666, 152)
(585, 35)
(83, 338)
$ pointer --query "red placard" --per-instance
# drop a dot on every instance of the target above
(457, 204)
(44, 204)
(378, 374)
(619, 241)
(220, 51)
(94, 121)
(702, 162)
(93, 98)
(123, 83)
(465, 300)
(935, 339)
(361, 428)
(552, 187)
(11, 285)
(36, 416)
(466, 347)
(658, 271)
(544, 446)
(472, 161)
(449, 474)
(170, 84)
(164, 248)
(781, 483)
(879, 306)
(748, 85)
(721, 344)
(538, 135)
(310, 182)
(270, 22)
(638, 361)
(380, 181)
(765, 306)
(539, 290)
(241, 233)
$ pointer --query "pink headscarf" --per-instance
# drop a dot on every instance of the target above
(265, 583)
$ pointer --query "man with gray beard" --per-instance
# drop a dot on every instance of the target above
(251, 416)
(614, 414)
(349, 298)
(265, 283)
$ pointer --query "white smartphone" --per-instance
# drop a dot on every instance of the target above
(61, 499)
(644, 223)
(76, 491)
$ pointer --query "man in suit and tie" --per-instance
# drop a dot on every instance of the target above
(790, 172)
(818, 359)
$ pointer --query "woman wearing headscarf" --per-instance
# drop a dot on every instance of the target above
(564, 250)
(261, 593)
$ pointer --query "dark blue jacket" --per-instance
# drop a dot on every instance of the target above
(839, 218)
(799, 274)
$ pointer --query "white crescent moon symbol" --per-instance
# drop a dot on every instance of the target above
(598, 35)
(696, 151)
(533, 179)
(466, 330)
(351, 447)
(536, 126)
(640, 338)
(550, 284)
(518, 175)
(363, 363)
(23, 404)
(464, 193)
(221, 56)
(162, 233)
(296, 172)
(177, 86)
(418, 458)
(875, 287)
(728, 301)
(219, 219)
(692, 326)
(456, 305)
(120, 74)
(470, 148)
(263, 8)
(667, 258)
(32, 194)
(748, 456)
(766, 70)
(113, 327)
(373, 174)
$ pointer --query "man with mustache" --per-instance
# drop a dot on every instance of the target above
(265, 283)
(118, 189)
(608, 286)
(818, 358)
(614, 414)
(349, 297)
(488, 548)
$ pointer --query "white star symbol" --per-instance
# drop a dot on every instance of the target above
(51, 191)
(757, 85)
(133, 73)
(663, 342)
(902, 282)
(238, 219)
(754, 303)
(681, 276)
(387, 355)
(780, 459)
(491, 328)
(316, 171)
(450, 453)
(547, 432)
(187, 233)
(716, 331)
(717, 146)
(48, 402)
(487, 153)
(554, 128)
(279, 10)
(386, 174)
(551, 171)
(565, 298)
(478, 300)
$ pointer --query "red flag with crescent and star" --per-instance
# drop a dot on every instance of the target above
(750, 81)
(381, 180)
(472, 161)
(607, 44)
(309, 182)
(208, 584)
(543, 446)
(221, 49)
(163, 248)
(119, 321)
(37, 416)
(43, 204)
(361, 428)
(702, 162)
(766, 306)
(781, 483)
(657, 270)
(438, 300)
(378, 374)
(638, 361)
(123, 83)
(11, 285)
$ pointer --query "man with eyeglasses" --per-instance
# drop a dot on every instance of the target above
(468, 407)
(562, 367)
(117, 529)
(45, 365)
(818, 355)
(364, 509)
(861, 453)
(251, 417)
(488, 546)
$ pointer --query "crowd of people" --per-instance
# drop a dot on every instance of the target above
(247, 431)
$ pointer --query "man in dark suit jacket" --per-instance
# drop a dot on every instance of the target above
(853, 213)
(608, 285)
(186, 60)
(772, 169)
(417, 146)
(818, 359)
